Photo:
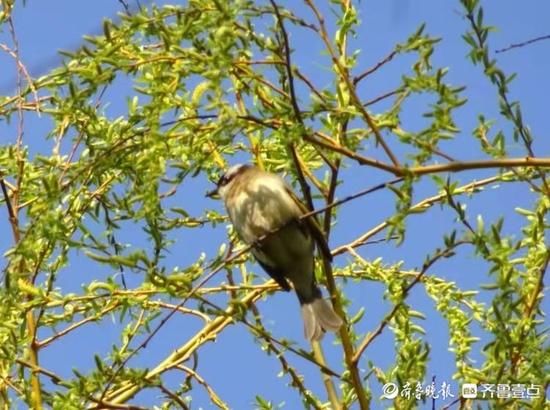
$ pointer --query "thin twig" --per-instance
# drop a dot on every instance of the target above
(128, 389)
(21, 68)
(350, 86)
(75, 326)
(175, 397)
(381, 97)
(513, 114)
(371, 336)
(53, 377)
(523, 43)
(213, 395)
(266, 335)
(165, 319)
(419, 206)
(11, 214)
(288, 64)
(306, 192)
(371, 70)
(540, 286)
(297, 381)
(327, 380)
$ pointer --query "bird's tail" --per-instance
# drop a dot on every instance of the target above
(319, 316)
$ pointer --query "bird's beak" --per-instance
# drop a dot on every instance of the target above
(212, 194)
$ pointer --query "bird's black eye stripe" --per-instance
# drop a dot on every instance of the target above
(223, 180)
(232, 173)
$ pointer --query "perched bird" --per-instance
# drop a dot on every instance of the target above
(266, 215)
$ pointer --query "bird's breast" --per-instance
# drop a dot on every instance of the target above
(260, 208)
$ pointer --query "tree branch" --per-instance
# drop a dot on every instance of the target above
(371, 336)
(523, 43)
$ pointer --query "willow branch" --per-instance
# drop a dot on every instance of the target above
(211, 393)
(268, 337)
(175, 397)
(306, 192)
(127, 390)
(350, 86)
(164, 320)
(371, 70)
(31, 323)
(481, 164)
(297, 381)
(327, 380)
(523, 43)
(371, 336)
(11, 213)
(53, 377)
(418, 207)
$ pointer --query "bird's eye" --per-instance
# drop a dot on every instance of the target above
(223, 180)
(230, 174)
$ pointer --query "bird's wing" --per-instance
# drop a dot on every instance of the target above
(313, 226)
(275, 273)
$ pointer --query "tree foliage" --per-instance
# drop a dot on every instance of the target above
(210, 83)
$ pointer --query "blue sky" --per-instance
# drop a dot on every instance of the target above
(230, 364)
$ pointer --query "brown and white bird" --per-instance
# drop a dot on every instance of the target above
(266, 215)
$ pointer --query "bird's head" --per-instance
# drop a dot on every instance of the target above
(228, 179)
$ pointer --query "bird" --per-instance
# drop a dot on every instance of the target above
(266, 215)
